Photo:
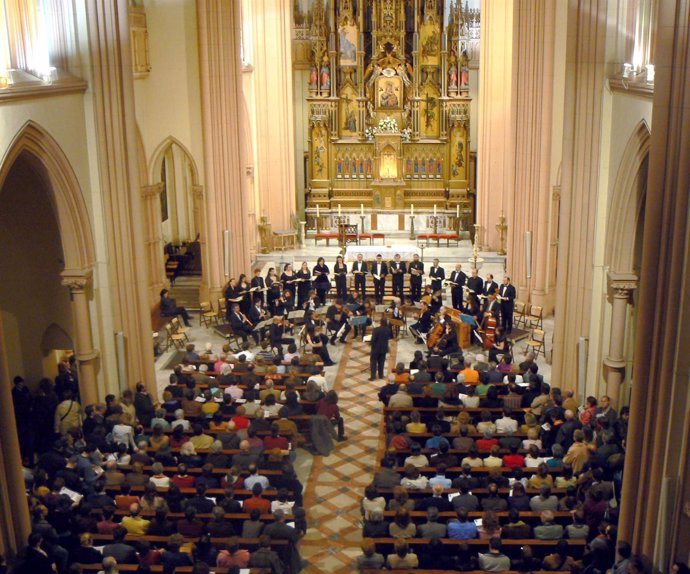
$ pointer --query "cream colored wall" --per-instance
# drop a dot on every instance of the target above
(168, 101)
(622, 114)
(66, 118)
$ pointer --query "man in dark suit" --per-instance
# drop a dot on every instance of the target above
(169, 308)
(507, 293)
(437, 275)
(475, 283)
(380, 337)
(276, 331)
(360, 270)
(337, 319)
(416, 273)
(380, 270)
(240, 324)
(490, 286)
(458, 280)
(397, 269)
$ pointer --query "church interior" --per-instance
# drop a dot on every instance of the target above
(164, 160)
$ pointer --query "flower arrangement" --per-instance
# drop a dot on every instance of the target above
(387, 126)
(406, 134)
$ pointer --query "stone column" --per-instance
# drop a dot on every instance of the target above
(654, 514)
(533, 60)
(153, 240)
(199, 215)
(111, 86)
(15, 524)
(85, 353)
(585, 80)
(275, 132)
(222, 112)
(495, 170)
(622, 284)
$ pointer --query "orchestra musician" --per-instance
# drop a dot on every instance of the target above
(337, 317)
(501, 345)
(340, 270)
(380, 270)
(490, 286)
(257, 313)
(321, 282)
(416, 273)
(437, 274)
(276, 333)
(232, 296)
(273, 289)
(507, 292)
(319, 344)
(436, 301)
(258, 285)
(397, 269)
(241, 325)
(476, 285)
(288, 277)
(360, 270)
(303, 285)
(491, 307)
(423, 324)
(396, 313)
(243, 286)
(458, 280)
(448, 343)
(285, 303)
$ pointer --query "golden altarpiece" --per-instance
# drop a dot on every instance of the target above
(388, 107)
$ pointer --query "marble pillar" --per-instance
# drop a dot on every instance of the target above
(111, 89)
(655, 502)
(15, 524)
(84, 352)
(529, 206)
(622, 285)
(585, 80)
(275, 132)
(222, 117)
(495, 154)
(153, 240)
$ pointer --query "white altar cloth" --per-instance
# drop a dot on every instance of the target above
(387, 251)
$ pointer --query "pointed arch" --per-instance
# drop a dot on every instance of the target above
(159, 153)
(44, 153)
(627, 199)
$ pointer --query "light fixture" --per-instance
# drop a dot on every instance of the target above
(627, 68)
(650, 73)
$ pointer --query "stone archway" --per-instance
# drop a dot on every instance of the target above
(38, 148)
(624, 228)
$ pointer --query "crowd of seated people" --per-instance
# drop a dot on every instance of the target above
(489, 467)
(206, 476)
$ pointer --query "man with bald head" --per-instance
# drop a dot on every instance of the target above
(564, 436)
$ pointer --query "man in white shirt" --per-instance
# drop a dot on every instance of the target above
(506, 424)
(320, 379)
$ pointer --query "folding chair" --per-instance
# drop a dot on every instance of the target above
(537, 342)
(173, 339)
(179, 329)
(222, 309)
(535, 319)
(207, 316)
(519, 313)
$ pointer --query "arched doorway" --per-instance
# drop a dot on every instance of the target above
(179, 218)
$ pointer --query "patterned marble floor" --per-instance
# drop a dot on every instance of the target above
(337, 482)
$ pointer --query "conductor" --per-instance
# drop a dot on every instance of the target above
(380, 337)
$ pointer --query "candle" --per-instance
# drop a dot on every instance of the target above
(434, 210)
(317, 210)
(361, 209)
(412, 210)
(457, 211)
(338, 209)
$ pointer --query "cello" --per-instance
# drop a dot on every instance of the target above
(434, 335)
(489, 331)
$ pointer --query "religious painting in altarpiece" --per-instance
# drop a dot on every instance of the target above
(348, 111)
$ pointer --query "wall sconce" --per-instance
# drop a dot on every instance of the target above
(627, 68)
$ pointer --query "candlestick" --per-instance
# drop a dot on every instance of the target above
(412, 210)
(412, 236)
(361, 209)
(457, 211)
(434, 210)
(338, 210)
(317, 210)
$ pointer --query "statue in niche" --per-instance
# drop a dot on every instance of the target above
(453, 77)
(406, 117)
(377, 199)
(350, 120)
(313, 78)
(464, 70)
(325, 75)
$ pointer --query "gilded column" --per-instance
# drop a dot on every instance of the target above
(85, 353)
(655, 502)
(271, 22)
(15, 525)
(623, 285)
(533, 60)
(222, 110)
(585, 79)
(113, 98)
(153, 240)
(495, 170)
